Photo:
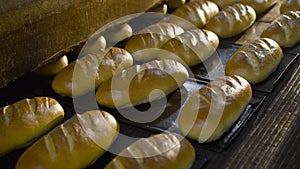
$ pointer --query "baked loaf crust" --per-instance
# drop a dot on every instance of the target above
(196, 12)
(24, 121)
(224, 3)
(192, 47)
(175, 3)
(134, 85)
(118, 33)
(259, 6)
(284, 29)
(163, 151)
(76, 143)
(53, 68)
(232, 20)
(211, 111)
(87, 73)
(144, 45)
(290, 5)
(255, 60)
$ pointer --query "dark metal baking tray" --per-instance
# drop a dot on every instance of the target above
(167, 121)
(214, 67)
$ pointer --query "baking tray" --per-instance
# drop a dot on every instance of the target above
(167, 121)
(30, 86)
(214, 67)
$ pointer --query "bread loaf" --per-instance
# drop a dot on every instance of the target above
(144, 45)
(76, 143)
(196, 12)
(232, 20)
(211, 111)
(255, 60)
(191, 47)
(259, 6)
(289, 5)
(24, 121)
(162, 8)
(118, 33)
(163, 151)
(284, 29)
(52, 68)
(175, 3)
(94, 45)
(224, 3)
(87, 73)
(134, 85)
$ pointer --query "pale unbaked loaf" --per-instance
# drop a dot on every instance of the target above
(259, 6)
(232, 20)
(144, 45)
(196, 12)
(87, 73)
(24, 121)
(211, 111)
(255, 60)
(289, 5)
(160, 151)
(134, 85)
(52, 68)
(284, 29)
(191, 47)
(76, 143)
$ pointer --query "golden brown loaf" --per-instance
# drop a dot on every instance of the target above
(224, 3)
(160, 151)
(76, 143)
(94, 45)
(232, 20)
(191, 47)
(211, 111)
(162, 8)
(24, 121)
(118, 33)
(255, 60)
(52, 68)
(87, 73)
(144, 45)
(135, 84)
(284, 29)
(259, 6)
(175, 3)
(289, 5)
(196, 12)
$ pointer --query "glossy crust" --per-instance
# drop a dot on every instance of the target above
(144, 45)
(224, 3)
(52, 68)
(211, 111)
(255, 60)
(284, 29)
(196, 12)
(191, 47)
(118, 33)
(163, 151)
(289, 5)
(162, 8)
(76, 143)
(175, 3)
(134, 85)
(87, 73)
(259, 6)
(232, 21)
(24, 121)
